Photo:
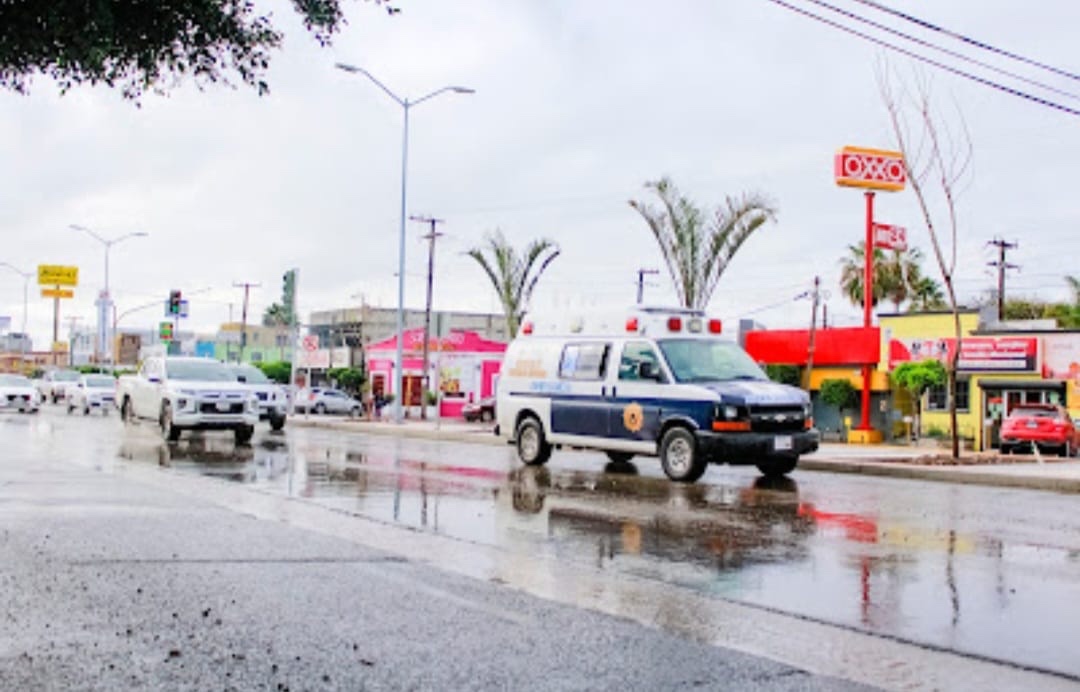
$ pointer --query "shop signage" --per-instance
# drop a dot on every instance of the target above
(977, 353)
(890, 237)
(873, 169)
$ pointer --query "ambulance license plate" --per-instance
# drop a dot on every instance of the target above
(782, 443)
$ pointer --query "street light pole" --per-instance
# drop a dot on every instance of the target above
(406, 104)
(25, 292)
(104, 337)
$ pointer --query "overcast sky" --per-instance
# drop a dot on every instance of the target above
(577, 104)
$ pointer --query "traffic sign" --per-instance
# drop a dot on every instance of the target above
(310, 342)
(57, 293)
(874, 169)
(890, 237)
(57, 275)
(165, 331)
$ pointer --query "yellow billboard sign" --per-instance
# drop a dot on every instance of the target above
(57, 275)
(57, 293)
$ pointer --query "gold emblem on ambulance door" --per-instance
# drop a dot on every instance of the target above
(633, 417)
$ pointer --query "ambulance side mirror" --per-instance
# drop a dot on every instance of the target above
(648, 371)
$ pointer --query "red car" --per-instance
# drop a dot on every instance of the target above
(1045, 426)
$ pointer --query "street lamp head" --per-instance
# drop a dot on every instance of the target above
(347, 68)
(462, 90)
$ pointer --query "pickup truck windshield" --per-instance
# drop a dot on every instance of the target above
(100, 382)
(708, 360)
(203, 371)
(66, 376)
(15, 381)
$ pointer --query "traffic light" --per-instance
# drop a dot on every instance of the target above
(174, 302)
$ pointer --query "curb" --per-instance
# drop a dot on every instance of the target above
(942, 474)
(866, 467)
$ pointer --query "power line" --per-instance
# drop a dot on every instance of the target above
(946, 51)
(960, 37)
(922, 58)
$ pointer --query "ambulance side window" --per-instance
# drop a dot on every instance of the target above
(585, 361)
(634, 354)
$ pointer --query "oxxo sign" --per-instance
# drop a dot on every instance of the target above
(873, 169)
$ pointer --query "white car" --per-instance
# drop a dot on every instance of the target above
(18, 393)
(54, 384)
(273, 398)
(92, 392)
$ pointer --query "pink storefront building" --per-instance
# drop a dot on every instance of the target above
(463, 366)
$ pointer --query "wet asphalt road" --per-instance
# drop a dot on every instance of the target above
(993, 574)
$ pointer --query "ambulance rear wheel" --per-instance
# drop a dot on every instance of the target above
(679, 456)
(532, 447)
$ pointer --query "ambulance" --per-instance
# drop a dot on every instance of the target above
(658, 382)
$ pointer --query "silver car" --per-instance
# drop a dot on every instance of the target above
(327, 400)
(92, 393)
(273, 398)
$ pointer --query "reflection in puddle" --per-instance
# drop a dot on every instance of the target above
(869, 563)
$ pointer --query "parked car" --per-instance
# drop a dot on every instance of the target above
(54, 384)
(327, 400)
(483, 410)
(19, 393)
(92, 392)
(273, 398)
(1042, 426)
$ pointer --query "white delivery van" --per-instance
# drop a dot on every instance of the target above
(652, 382)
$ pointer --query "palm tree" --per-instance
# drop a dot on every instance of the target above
(514, 277)
(926, 294)
(698, 245)
(898, 277)
(852, 270)
(1074, 286)
(275, 316)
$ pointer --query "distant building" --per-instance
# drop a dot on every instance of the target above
(16, 342)
(359, 326)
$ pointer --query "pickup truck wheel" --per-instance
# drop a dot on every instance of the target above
(243, 434)
(169, 431)
(126, 414)
(86, 410)
(532, 447)
(778, 466)
(679, 456)
(277, 422)
(71, 409)
(320, 408)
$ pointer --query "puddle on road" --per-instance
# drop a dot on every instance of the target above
(744, 538)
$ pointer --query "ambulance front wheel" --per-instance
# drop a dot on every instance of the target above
(532, 447)
(680, 457)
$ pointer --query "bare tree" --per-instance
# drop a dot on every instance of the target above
(937, 157)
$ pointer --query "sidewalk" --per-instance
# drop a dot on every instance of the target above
(893, 461)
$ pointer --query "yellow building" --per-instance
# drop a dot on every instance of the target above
(997, 371)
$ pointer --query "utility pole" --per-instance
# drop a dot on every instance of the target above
(431, 237)
(1002, 246)
(641, 274)
(243, 315)
(71, 320)
(815, 297)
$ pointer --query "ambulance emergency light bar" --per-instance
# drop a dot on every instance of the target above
(640, 321)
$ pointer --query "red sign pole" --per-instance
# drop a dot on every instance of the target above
(868, 303)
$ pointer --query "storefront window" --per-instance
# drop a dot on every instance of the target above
(937, 397)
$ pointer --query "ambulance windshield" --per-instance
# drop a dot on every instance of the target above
(708, 360)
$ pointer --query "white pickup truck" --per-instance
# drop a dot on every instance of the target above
(188, 394)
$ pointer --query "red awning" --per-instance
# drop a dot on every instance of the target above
(832, 347)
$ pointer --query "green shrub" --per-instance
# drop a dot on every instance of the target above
(784, 374)
(839, 393)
